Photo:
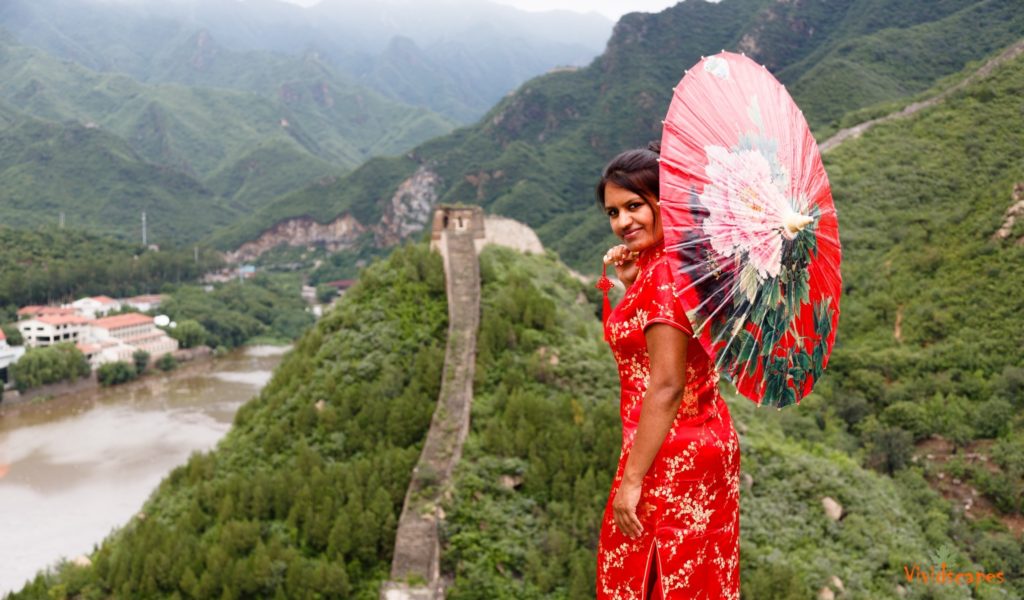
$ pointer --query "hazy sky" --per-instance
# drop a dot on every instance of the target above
(613, 9)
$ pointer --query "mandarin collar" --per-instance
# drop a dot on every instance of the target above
(650, 254)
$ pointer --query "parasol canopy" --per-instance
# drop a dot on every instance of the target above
(750, 228)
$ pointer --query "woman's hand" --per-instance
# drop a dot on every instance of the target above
(625, 263)
(624, 508)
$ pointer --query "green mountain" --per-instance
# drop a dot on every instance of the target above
(297, 112)
(537, 154)
(99, 183)
(534, 477)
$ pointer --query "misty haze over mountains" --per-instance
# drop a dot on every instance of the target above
(456, 58)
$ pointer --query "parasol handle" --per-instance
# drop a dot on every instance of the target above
(794, 223)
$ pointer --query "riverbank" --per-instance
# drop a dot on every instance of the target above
(13, 399)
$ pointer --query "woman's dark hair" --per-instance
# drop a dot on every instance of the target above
(634, 170)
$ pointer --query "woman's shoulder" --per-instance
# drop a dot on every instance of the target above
(661, 293)
(658, 271)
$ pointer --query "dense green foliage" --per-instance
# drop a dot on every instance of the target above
(268, 306)
(166, 362)
(189, 333)
(13, 335)
(50, 265)
(49, 364)
(931, 335)
(536, 155)
(302, 497)
(115, 373)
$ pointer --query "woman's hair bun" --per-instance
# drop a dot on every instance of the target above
(654, 146)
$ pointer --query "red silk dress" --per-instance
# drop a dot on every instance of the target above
(689, 503)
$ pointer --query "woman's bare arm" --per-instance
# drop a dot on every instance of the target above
(666, 346)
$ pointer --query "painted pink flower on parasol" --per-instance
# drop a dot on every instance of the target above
(748, 211)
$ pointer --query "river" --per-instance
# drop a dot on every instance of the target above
(75, 467)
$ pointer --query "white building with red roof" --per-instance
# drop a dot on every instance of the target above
(94, 306)
(52, 329)
(132, 329)
(32, 311)
(144, 303)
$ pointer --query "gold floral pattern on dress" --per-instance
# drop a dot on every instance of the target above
(689, 503)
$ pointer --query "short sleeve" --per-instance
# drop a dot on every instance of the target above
(661, 299)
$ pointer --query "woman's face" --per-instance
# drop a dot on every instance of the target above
(634, 220)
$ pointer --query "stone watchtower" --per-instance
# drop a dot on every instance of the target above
(450, 218)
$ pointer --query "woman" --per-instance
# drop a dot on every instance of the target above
(671, 526)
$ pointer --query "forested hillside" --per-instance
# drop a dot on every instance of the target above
(302, 497)
(52, 265)
(536, 155)
(99, 183)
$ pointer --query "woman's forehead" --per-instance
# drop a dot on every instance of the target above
(616, 194)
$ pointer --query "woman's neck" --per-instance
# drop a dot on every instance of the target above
(650, 253)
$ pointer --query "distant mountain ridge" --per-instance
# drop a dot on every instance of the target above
(466, 71)
(248, 128)
(228, 103)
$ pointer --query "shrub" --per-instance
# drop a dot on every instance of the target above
(140, 358)
(166, 363)
(115, 373)
(189, 333)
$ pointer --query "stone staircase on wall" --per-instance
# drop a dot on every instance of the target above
(415, 568)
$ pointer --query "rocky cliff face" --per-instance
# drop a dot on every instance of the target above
(408, 211)
(339, 234)
(410, 208)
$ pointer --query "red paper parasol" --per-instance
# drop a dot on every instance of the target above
(750, 228)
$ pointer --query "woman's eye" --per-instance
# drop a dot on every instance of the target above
(635, 205)
(612, 213)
